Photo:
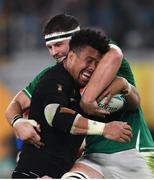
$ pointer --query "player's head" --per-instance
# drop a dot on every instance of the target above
(86, 49)
(58, 32)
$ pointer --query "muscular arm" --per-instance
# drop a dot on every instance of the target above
(103, 75)
(121, 86)
(118, 86)
(18, 105)
(24, 129)
(70, 121)
(21, 102)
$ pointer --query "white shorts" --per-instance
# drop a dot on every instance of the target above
(127, 164)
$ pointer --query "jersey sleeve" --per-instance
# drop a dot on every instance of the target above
(126, 72)
(28, 90)
(125, 69)
(58, 94)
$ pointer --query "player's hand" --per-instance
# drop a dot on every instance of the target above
(92, 108)
(118, 131)
(27, 130)
(118, 86)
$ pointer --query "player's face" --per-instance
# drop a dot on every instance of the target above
(58, 50)
(83, 64)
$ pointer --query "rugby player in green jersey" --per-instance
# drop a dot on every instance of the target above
(110, 65)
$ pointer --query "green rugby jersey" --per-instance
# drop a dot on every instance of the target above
(141, 140)
(28, 90)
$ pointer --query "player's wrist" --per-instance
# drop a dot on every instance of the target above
(15, 118)
(86, 126)
(95, 128)
(20, 120)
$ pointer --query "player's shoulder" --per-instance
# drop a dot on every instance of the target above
(57, 70)
(55, 73)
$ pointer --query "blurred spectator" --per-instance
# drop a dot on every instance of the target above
(125, 21)
(5, 49)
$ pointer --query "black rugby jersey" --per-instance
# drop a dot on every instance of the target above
(60, 150)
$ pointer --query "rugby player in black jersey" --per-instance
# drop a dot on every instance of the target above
(55, 105)
(57, 31)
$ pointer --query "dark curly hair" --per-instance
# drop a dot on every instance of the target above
(89, 37)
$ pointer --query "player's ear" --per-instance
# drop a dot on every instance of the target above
(71, 56)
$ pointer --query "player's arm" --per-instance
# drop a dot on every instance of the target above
(17, 106)
(121, 86)
(118, 86)
(103, 76)
(21, 102)
(72, 122)
(23, 128)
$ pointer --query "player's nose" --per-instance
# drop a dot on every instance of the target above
(54, 51)
(92, 66)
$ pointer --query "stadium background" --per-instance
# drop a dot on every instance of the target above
(23, 54)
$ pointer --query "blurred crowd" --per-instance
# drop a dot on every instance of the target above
(130, 23)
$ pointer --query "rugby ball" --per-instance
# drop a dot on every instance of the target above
(115, 104)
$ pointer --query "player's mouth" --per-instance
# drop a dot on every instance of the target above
(85, 76)
(60, 59)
